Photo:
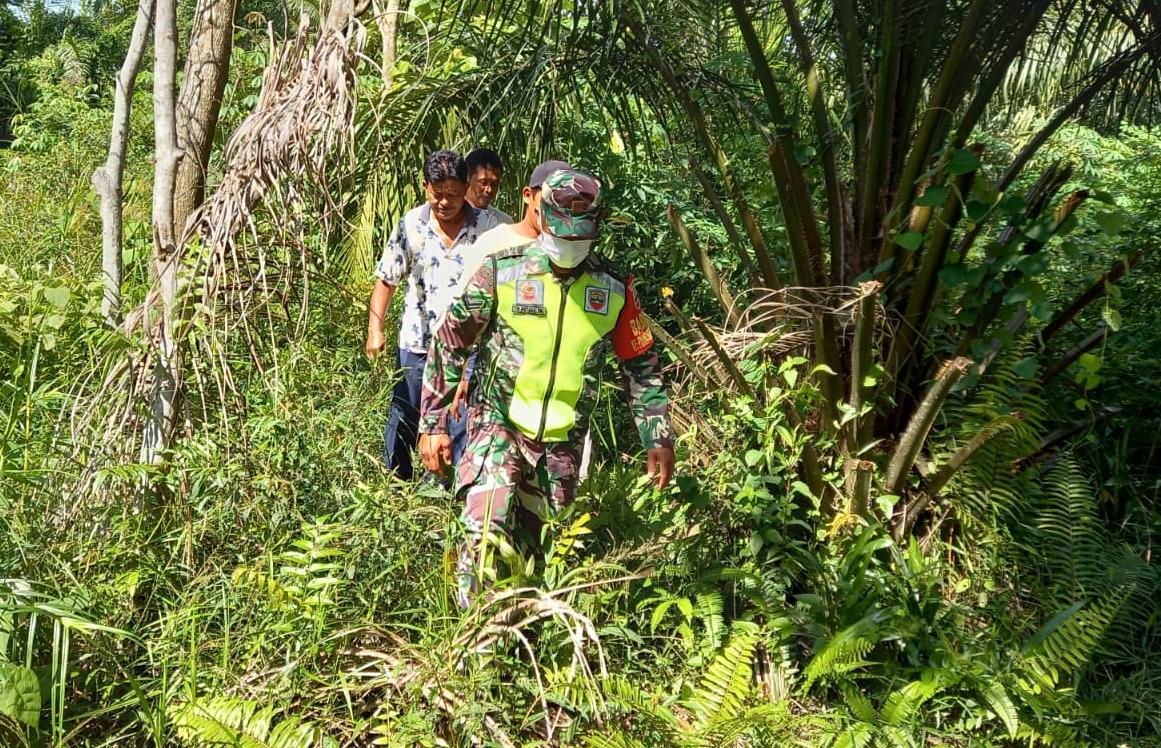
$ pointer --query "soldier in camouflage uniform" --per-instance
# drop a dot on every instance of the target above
(544, 315)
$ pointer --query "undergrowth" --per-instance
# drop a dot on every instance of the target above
(292, 594)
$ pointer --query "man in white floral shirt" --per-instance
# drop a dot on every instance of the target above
(427, 249)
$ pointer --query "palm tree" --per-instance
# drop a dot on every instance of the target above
(865, 117)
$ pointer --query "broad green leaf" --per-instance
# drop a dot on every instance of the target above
(1013, 204)
(886, 504)
(976, 210)
(1041, 230)
(910, 240)
(753, 457)
(962, 162)
(1026, 367)
(1111, 222)
(933, 196)
(953, 275)
(19, 694)
(58, 297)
(1018, 295)
(1112, 318)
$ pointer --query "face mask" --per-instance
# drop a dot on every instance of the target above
(564, 253)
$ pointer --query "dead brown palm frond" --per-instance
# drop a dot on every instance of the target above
(774, 325)
(508, 615)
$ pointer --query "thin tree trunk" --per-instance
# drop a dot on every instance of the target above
(390, 30)
(206, 68)
(107, 179)
(163, 391)
(705, 265)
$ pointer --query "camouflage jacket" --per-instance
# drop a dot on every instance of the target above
(543, 340)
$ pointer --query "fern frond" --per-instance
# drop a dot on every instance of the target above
(612, 738)
(312, 567)
(844, 651)
(1067, 642)
(238, 723)
(764, 724)
(997, 698)
(622, 696)
(855, 736)
(903, 704)
(858, 703)
(709, 610)
(728, 680)
(1069, 539)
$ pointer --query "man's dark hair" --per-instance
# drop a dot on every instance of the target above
(444, 164)
(485, 157)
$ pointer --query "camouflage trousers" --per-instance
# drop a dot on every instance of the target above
(500, 469)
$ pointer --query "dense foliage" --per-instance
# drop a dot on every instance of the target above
(287, 592)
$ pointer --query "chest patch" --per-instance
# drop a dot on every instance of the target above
(529, 297)
(597, 299)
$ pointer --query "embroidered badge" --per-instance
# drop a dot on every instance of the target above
(529, 297)
(597, 300)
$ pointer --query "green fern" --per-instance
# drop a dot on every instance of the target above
(987, 493)
(709, 609)
(858, 735)
(844, 651)
(1068, 537)
(1067, 642)
(277, 594)
(612, 739)
(997, 698)
(903, 704)
(858, 703)
(728, 681)
(227, 721)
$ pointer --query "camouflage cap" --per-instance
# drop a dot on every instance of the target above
(570, 204)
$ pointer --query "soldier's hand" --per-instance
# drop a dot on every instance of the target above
(375, 342)
(659, 464)
(461, 396)
(435, 449)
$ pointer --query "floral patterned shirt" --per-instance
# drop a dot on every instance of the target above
(432, 269)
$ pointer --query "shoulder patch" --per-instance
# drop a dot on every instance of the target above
(597, 299)
(510, 252)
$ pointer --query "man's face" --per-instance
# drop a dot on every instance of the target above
(532, 206)
(483, 184)
(446, 198)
